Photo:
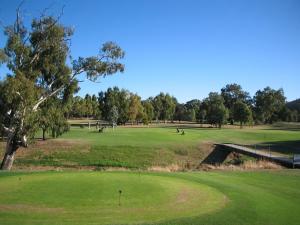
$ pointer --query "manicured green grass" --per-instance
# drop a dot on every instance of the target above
(230, 198)
(151, 146)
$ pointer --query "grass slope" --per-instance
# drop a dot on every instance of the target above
(145, 147)
(255, 198)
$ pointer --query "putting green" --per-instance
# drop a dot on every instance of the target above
(93, 198)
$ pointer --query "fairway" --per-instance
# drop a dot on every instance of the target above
(145, 147)
(158, 198)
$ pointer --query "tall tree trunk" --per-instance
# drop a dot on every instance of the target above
(9, 155)
(44, 134)
(8, 161)
(12, 145)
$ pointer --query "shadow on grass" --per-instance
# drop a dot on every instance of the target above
(285, 127)
(283, 147)
(217, 156)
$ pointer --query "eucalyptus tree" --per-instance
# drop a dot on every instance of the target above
(242, 113)
(114, 97)
(37, 60)
(113, 116)
(180, 111)
(233, 93)
(135, 112)
(164, 106)
(268, 104)
(148, 110)
(217, 113)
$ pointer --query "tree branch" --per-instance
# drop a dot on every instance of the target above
(37, 51)
(7, 130)
(44, 98)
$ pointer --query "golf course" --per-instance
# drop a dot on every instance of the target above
(143, 147)
(93, 195)
(149, 112)
(150, 198)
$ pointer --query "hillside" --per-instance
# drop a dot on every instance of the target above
(294, 105)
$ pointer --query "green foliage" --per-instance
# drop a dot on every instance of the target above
(217, 113)
(164, 106)
(37, 60)
(113, 115)
(241, 113)
(269, 103)
(135, 112)
(51, 118)
(114, 97)
(202, 115)
(231, 94)
(148, 111)
(106, 63)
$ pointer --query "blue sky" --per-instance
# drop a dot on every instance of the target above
(186, 48)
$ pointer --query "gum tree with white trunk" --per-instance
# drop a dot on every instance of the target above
(37, 58)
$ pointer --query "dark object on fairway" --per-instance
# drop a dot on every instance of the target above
(182, 132)
(120, 193)
(101, 130)
(177, 130)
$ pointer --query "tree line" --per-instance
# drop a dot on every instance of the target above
(231, 105)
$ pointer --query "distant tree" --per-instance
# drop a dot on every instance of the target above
(148, 110)
(202, 115)
(232, 93)
(123, 104)
(269, 103)
(101, 104)
(158, 106)
(95, 107)
(113, 116)
(193, 107)
(180, 111)
(190, 115)
(37, 61)
(88, 105)
(217, 113)
(293, 116)
(115, 97)
(242, 113)
(164, 106)
(135, 108)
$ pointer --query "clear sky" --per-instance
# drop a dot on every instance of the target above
(186, 48)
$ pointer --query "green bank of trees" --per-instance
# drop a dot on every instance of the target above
(130, 107)
(232, 105)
